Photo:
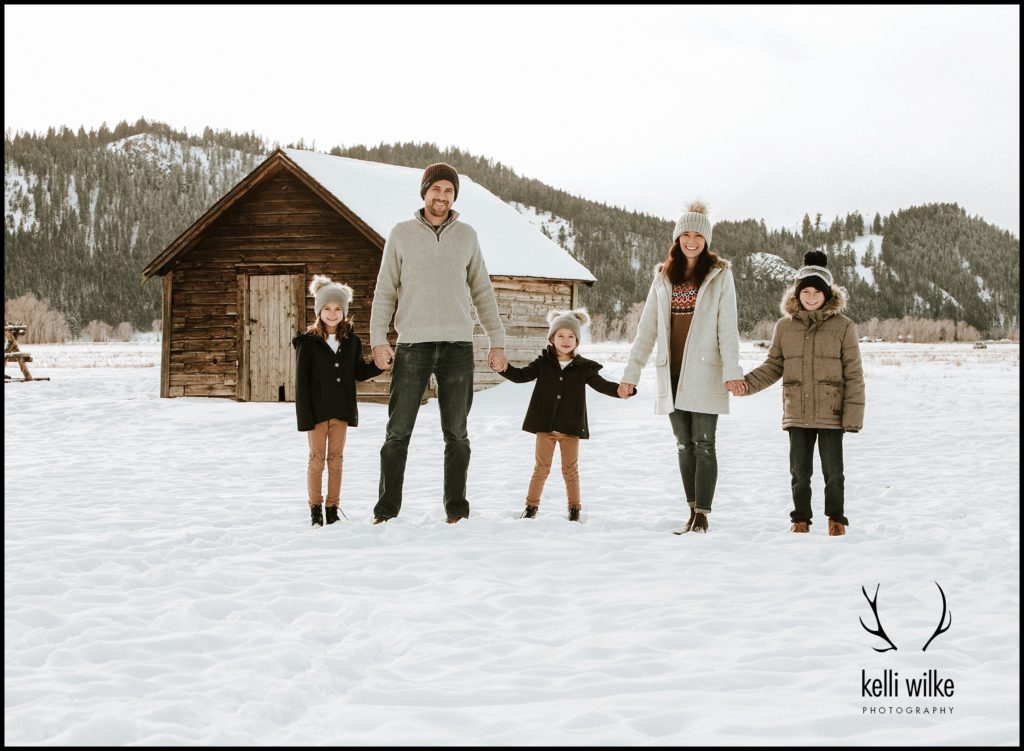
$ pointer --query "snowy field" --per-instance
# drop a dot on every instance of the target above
(163, 586)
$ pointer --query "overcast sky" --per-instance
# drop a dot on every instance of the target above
(762, 112)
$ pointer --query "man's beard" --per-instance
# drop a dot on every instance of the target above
(435, 213)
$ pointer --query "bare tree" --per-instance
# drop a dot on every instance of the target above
(631, 322)
(123, 332)
(763, 329)
(42, 323)
(615, 330)
(923, 330)
(98, 331)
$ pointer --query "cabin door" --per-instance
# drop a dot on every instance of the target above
(273, 319)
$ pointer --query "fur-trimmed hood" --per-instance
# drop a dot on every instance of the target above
(790, 304)
(721, 263)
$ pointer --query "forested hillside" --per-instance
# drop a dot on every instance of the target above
(86, 211)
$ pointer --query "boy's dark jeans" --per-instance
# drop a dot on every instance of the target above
(801, 467)
(452, 364)
(698, 463)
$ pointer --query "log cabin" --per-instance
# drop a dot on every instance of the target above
(235, 283)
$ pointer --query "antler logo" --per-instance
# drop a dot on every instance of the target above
(940, 629)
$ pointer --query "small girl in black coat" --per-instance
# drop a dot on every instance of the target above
(329, 361)
(558, 407)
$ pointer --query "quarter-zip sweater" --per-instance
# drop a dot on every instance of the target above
(325, 380)
(431, 281)
(559, 401)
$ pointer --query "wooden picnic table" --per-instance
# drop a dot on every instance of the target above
(13, 353)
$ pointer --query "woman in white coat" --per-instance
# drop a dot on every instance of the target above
(690, 313)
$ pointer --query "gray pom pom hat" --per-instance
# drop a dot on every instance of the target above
(574, 320)
(325, 291)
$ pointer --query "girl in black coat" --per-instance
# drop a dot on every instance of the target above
(558, 407)
(329, 361)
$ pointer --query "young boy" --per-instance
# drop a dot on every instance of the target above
(814, 351)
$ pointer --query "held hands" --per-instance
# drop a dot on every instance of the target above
(737, 387)
(496, 359)
(383, 356)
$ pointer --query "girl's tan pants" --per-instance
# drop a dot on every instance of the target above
(326, 442)
(569, 448)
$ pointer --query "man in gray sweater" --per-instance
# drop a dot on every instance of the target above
(431, 270)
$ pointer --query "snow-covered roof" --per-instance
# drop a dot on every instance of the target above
(384, 194)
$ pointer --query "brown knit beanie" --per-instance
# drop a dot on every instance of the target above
(439, 171)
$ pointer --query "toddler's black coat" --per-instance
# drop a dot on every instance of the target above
(325, 381)
(559, 401)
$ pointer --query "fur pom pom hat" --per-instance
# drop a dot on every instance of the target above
(814, 274)
(325, 291)
(694, 219)
(574, 320)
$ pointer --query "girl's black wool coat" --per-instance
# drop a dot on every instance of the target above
(559, 401)
(325, 381)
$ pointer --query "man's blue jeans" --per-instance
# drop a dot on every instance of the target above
(452, 364)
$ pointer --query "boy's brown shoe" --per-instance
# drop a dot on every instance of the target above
(800, 527)
(836, 529)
